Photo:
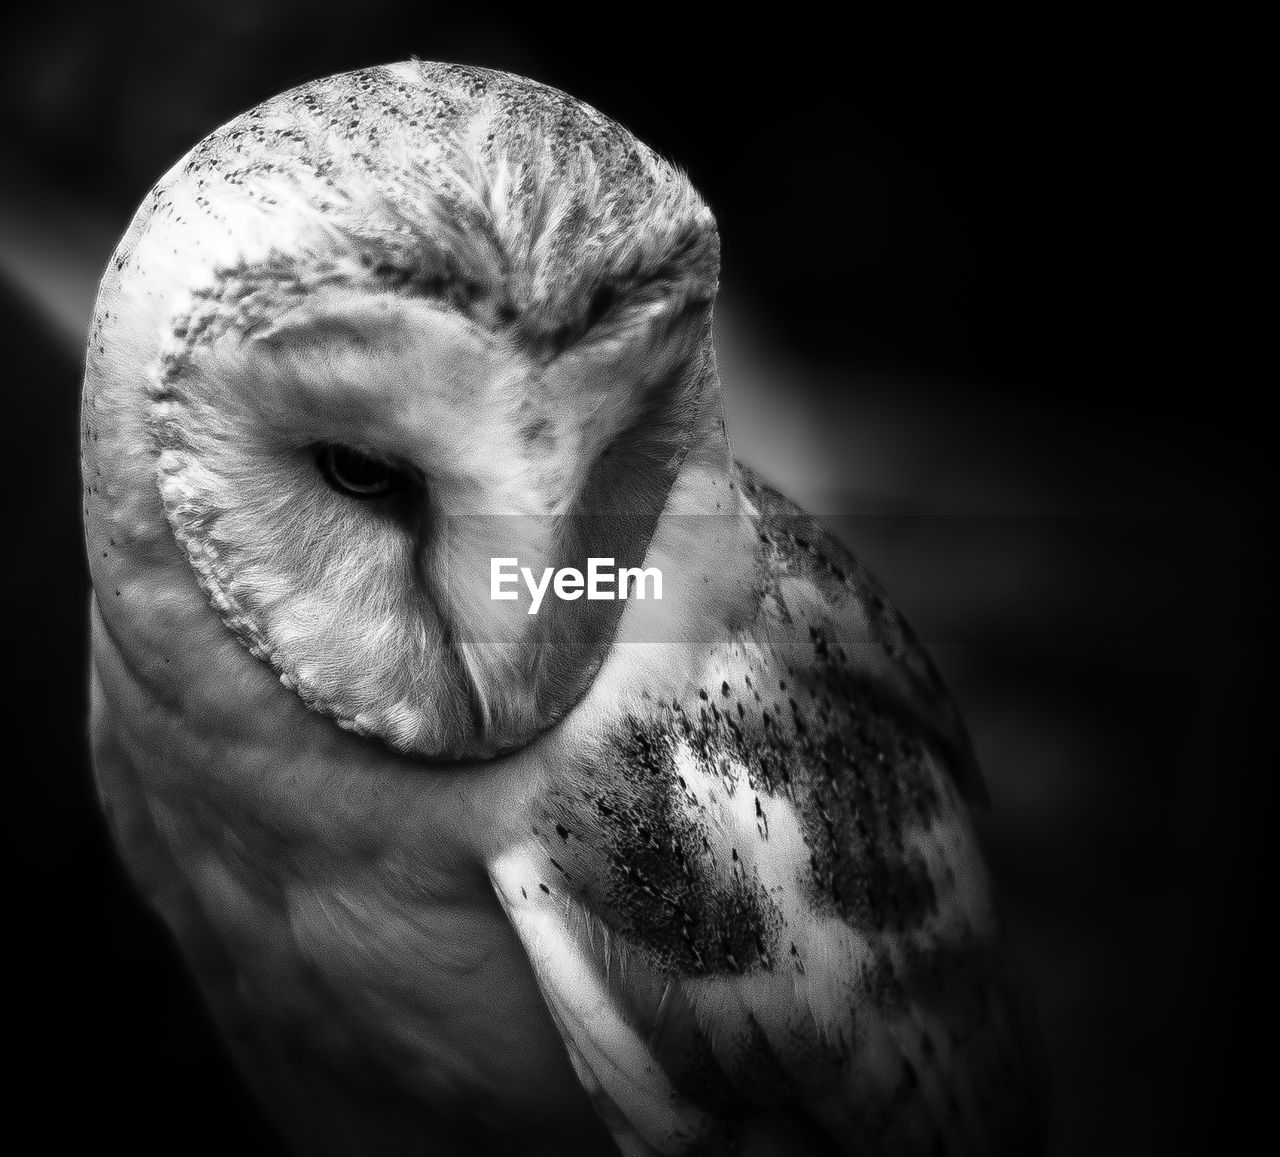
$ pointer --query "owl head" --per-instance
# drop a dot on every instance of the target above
(370, 336)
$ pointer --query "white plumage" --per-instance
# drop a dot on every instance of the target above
(676, 876)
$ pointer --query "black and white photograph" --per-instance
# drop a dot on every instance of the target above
(657, 582)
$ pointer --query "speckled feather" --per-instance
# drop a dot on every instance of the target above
(773, 879)
(700, 870)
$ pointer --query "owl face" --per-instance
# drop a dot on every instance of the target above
(353, 367)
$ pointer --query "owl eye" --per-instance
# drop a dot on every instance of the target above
(355, 474)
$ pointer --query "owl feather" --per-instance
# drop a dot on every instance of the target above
(680, 875)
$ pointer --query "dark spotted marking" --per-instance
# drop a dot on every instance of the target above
(655, 865)
(697, 1074)
(855, 772)
(755, 1069)
(795, 543)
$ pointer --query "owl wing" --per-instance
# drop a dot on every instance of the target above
(881, 646)
(759, 916)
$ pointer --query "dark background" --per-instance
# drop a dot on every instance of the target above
(967, 300)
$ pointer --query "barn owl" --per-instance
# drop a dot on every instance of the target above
(689, 874)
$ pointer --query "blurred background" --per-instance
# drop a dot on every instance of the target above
(958, 260)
